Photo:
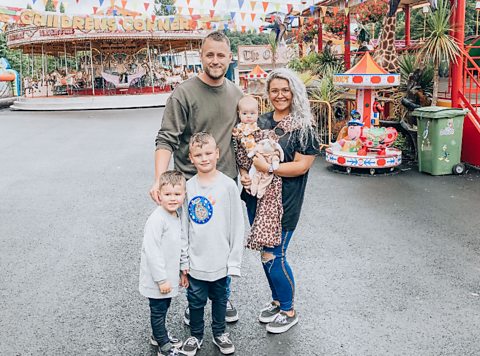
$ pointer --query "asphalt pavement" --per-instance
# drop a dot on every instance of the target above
(384, 265)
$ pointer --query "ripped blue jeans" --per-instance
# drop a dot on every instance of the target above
(278, 272)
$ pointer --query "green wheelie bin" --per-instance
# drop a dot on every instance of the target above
(439, 139)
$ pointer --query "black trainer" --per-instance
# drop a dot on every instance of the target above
(174, 341)
(173, 351)
(224, 344)
(191, 346)
(231, 314)
(282, 323)
(269, 313)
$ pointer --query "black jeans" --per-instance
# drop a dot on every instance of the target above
(198, 294)
(158, 314)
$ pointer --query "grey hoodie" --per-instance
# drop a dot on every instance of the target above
(160, 257)
(213, 229)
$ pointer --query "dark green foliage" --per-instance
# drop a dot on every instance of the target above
(245, 39)
(49, 6)
(408, 64)
(161, 7)
(62, 8)
(317, 64)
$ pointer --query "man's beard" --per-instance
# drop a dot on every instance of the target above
(211, 75)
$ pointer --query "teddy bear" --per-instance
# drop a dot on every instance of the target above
(273, 154)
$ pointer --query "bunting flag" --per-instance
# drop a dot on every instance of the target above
(253, 15)
(100, 1)
(112, 2)
(146, 5)
(252, 4)
(240, 3)
(190, 10)
(169, 8)
(180, 9)
(188, 2)
(324, 10)
(75, 0)
(244, 28)
(95, 10)
(265, 5)
(214, 2)
(34, 1)
(171, 18)
(232, 15)
(347, 10)
(289, 8)
(242, 15)
(212, 13)
(208, 24)
(55, 3)
(312, 9)
(335, 10)
(153, 18)
(277, 7)
(260, 29)
(311, 20)
(124, 3)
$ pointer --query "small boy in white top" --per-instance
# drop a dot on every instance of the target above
(212, 242)
(160, 259)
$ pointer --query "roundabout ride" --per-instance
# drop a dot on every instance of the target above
(362, 143)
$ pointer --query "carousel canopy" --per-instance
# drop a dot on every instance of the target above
(366, 74)
(256, 73)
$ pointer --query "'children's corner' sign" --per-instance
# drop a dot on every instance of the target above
(101, 24)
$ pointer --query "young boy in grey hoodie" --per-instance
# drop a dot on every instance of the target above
(160, 259)
(212, 242)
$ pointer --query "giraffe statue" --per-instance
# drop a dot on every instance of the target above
(385, 53)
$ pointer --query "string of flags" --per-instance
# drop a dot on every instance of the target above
(215, 14)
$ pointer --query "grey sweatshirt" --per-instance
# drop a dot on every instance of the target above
(193, 107)
(213, 229)
(160, 256)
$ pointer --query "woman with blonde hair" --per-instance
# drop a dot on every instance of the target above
(291, 125)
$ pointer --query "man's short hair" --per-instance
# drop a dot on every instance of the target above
(200, 139)
(218, 36)
(172, 178)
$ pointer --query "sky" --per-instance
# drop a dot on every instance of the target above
(250, 14)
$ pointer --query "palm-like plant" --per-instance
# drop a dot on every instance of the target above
(273, 47)
(439, 44)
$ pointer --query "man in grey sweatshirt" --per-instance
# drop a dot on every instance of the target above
(207, 103)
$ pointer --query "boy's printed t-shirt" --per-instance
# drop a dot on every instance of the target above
(213, 229)
(160, 256)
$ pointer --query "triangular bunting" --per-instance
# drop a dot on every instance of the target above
(153, 18)
(100, 1)
(95, 8)
(244, 28)
(253, 15)
(277, 7)
(240, 3)
(265, 5)
(146, 5)
(312, 9)
(324, 10)
(311, 20)
(171, 18)
(252, 4)
(190, 10)
(179, 8)
(214, 2)
(188, 2)
(208, 24)
(347, 10)
(212, 13)
(124, 3)
(289, 8)
(232, 15)
(335, 10)
(242, 15)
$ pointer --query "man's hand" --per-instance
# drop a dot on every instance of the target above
(154, 193)
(184, 278)
(165, 287)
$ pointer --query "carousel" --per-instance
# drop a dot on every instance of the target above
(362, 144)
(102, 56)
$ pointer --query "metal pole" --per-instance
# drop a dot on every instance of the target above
(32, 62)
(151, 68)
(66, 66)
(91, 67)
(21, 72)
(43, 71)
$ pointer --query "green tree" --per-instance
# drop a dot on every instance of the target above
(49, 6)
(160, 7)
(29, 6)
(439, 44)
(245, 38)
(62, 8)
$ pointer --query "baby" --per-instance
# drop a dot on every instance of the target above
(246, 129)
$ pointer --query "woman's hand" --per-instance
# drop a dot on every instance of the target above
(261, 163)
(245, 179)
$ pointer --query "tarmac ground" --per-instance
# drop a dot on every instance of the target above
(384, 265)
